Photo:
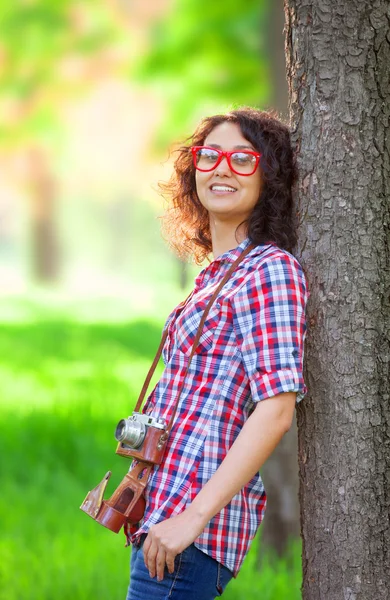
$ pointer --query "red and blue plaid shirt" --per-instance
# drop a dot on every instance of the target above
(251, 348)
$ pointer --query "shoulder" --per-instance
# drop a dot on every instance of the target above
(272, 285)
(272, 264)
(268, 255)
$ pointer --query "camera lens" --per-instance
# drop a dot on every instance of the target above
(130, 432)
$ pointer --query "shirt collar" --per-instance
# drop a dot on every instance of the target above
(231, 255)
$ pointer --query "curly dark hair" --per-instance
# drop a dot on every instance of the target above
(186, 222)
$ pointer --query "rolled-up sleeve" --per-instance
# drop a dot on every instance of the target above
(270, 326)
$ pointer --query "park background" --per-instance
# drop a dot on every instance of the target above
(94, 97)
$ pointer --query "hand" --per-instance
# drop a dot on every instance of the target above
(167, 539)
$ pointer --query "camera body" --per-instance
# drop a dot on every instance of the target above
(142, 437)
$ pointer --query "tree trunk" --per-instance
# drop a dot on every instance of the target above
(338, 62)
(277, 58)
(280, 476)
(44, 241)
(280, 472)
(183, 273)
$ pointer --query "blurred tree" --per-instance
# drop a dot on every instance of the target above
(280, 472)
(205, 57)
(48, 50)
(275, 49)
(45, 256)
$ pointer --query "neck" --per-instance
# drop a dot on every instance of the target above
(224, 237)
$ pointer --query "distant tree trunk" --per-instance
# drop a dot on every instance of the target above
(118, 221)
(280, 472)
(338, 57)
(183, 273)
(277, 57)
(280, 475)
(43, 240)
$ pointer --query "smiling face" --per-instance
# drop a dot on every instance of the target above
(228, 197)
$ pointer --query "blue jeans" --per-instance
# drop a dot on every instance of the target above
(197, 576)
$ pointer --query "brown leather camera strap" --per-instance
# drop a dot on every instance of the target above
(196, 339)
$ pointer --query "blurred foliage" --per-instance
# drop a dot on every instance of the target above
(40, 43)
(64, 386)
(205, 58)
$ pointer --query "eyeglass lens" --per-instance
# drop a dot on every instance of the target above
(242, 162)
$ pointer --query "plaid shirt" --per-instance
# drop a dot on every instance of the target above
(251, 348)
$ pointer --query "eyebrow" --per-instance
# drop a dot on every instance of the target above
(237, 147)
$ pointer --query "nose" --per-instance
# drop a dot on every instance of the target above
(223, 167)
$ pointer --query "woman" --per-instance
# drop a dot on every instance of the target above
(230, 188)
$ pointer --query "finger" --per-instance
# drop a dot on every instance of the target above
(170, 562)
(145, 550)
(160, 564)
(150, 560)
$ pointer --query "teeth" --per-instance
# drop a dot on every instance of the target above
(223, 188)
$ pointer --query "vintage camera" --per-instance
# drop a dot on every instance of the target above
(142, 437)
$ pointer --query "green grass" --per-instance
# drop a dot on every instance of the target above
(64, 384)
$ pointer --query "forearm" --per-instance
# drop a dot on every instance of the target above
(258, 438)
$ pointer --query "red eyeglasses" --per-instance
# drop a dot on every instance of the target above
(241, 162)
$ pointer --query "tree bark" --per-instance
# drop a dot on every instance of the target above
(338, 64)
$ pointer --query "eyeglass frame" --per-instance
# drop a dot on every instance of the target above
(227, 154)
